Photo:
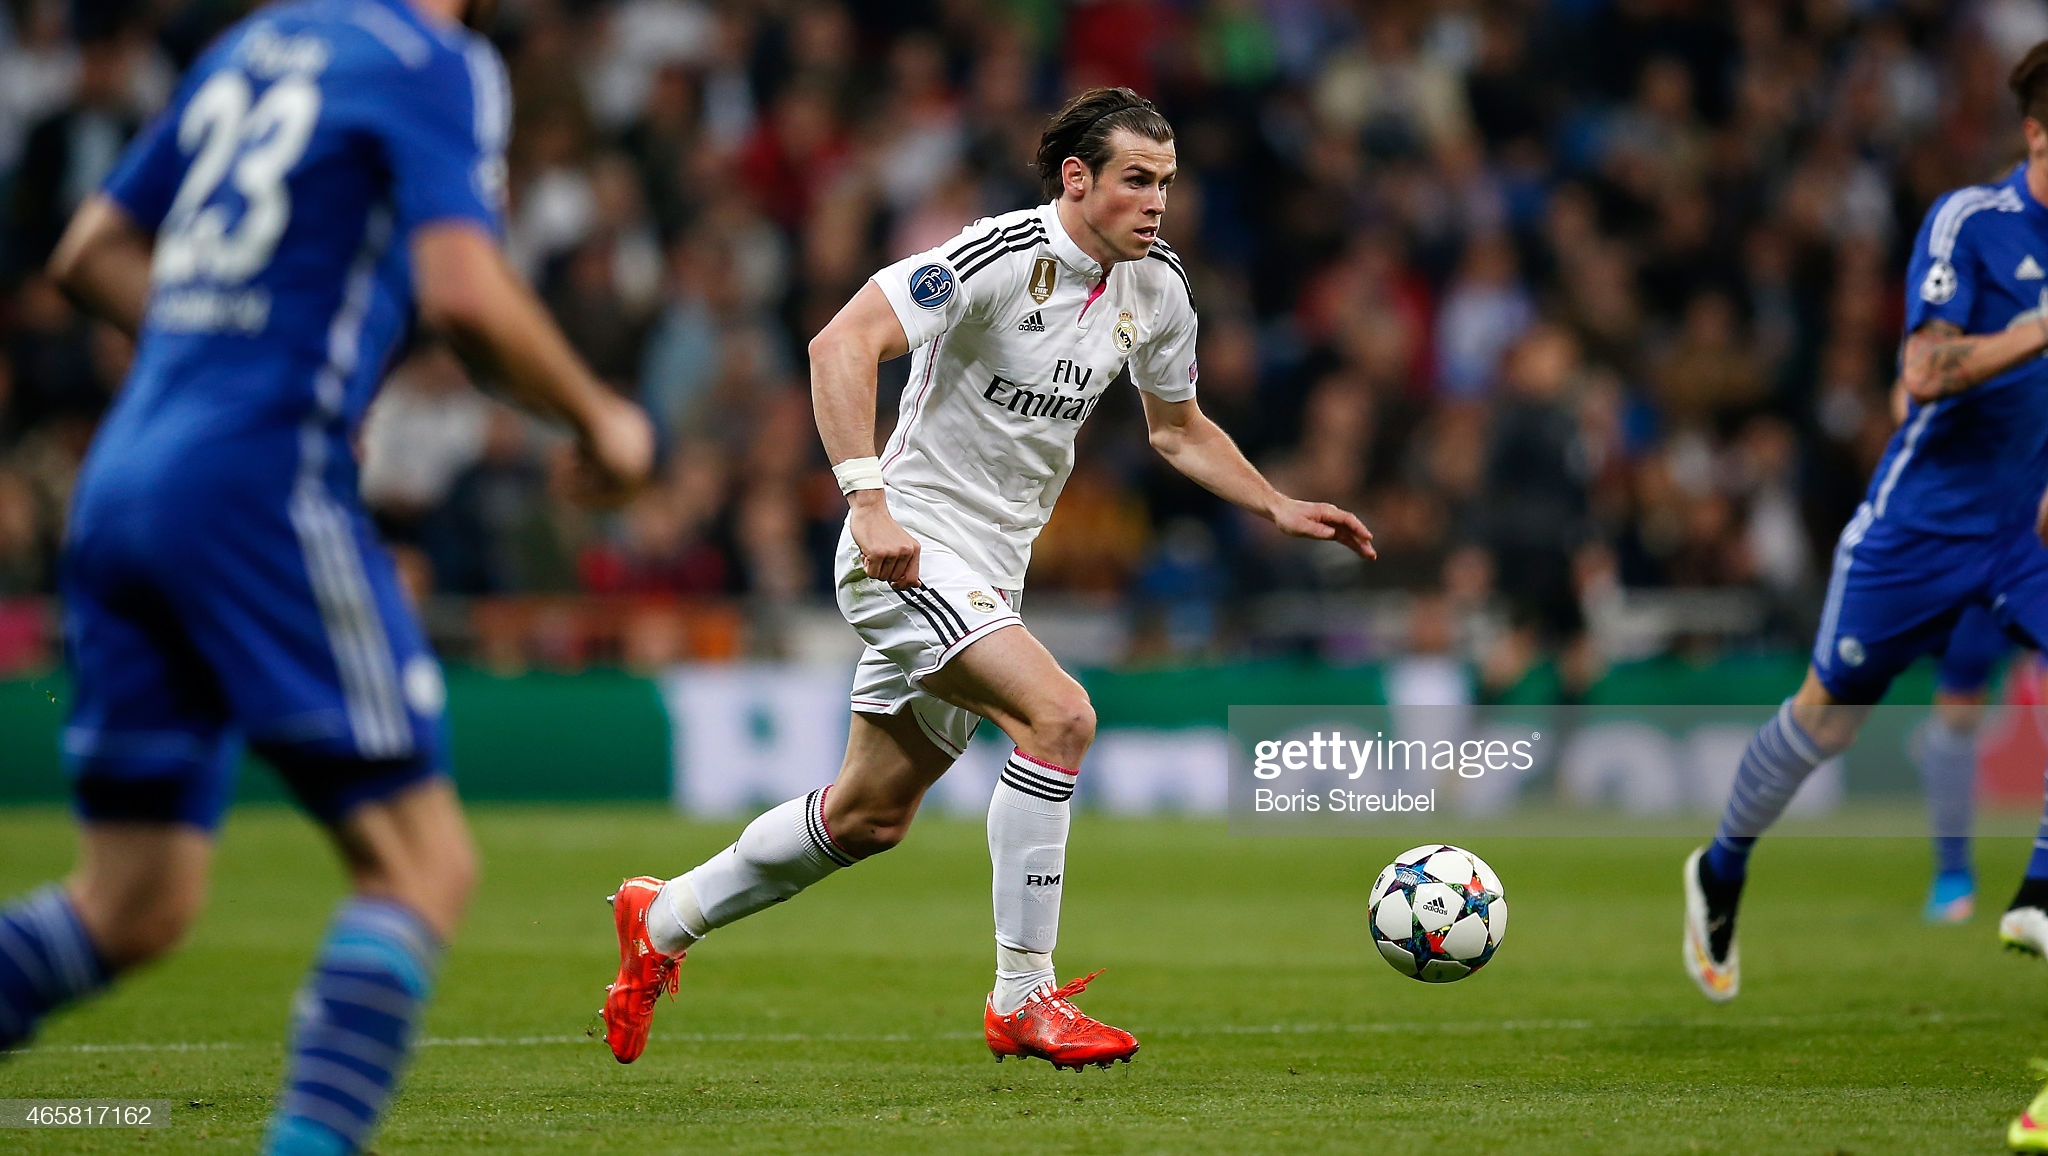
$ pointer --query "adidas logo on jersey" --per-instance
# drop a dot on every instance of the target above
(2029, 270)
(1036, 322)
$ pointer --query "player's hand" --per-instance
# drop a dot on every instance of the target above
(614, 453)
(1325, 521)
(887, 551)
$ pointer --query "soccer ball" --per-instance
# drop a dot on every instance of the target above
(1437, 913)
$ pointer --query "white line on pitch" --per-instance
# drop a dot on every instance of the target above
(1305, 1029)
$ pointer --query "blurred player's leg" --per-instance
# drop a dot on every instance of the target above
(2024, 926)
(412, 865)
(2022, 602)
(1946, 752)
(47, 960)
(1894, 594)
(1010, 679)
(1807, 729)
(137, 888)
(889, 765)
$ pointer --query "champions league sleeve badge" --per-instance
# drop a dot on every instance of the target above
(1940, 284)
(932, 286)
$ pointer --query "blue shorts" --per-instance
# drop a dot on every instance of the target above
(1975, 649)
(1896, 594)
(275, 622)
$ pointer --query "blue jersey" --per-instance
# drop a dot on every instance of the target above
(221, 582)
(282, 184)
(1974, 463)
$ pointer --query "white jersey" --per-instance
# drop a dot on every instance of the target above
(1018, 335)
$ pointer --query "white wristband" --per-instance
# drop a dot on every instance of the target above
(858, 474)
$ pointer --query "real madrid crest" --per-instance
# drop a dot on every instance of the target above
(1045, 274)
(981, 602)
(1126, 333)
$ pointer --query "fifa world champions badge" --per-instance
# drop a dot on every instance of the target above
(1045, 273)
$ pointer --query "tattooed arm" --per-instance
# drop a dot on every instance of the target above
(1941, 360)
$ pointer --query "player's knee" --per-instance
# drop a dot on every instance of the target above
(145, 931)
(434, 883)
(1066, 729)
(1831, 725)
(874, 829)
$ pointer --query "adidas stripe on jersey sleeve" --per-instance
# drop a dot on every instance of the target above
(1163, 364)
(939, 288)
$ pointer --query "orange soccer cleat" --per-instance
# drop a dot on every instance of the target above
(1050, 1027)
(644, 973)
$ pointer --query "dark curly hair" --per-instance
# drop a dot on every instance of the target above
(1081, 128)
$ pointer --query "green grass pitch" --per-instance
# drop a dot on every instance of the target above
(848, 1020)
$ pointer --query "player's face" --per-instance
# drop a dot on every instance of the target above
(1123, 204)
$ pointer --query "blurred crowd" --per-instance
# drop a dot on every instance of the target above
(1564, 296)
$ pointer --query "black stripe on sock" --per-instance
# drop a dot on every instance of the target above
(1051, 782)
(1034, 790)
(1056, 794)
(814, 826)
(945, 636)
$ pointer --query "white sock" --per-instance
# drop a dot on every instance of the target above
(1028, 819)
(779, 854)
(675, 920)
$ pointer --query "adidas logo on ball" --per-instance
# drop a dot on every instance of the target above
(1436, 904)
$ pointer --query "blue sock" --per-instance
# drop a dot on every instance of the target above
(1779, 758)
(1948, 777)
(354, 1020)
(46, 961)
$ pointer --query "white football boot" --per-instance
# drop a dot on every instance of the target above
(2024, 929)
(1719, 979)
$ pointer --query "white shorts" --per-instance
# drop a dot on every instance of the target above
(911, 633)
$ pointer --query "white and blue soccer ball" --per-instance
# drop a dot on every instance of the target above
(1437, 913)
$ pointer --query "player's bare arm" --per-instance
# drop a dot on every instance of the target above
(1942, 361)
(102, 263)
(470, 294)
(1200, 449)
(844, 356)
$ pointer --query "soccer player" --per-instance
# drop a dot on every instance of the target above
(1946, 751)
(329, 171)
(1020, 325)
(1946, 524)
